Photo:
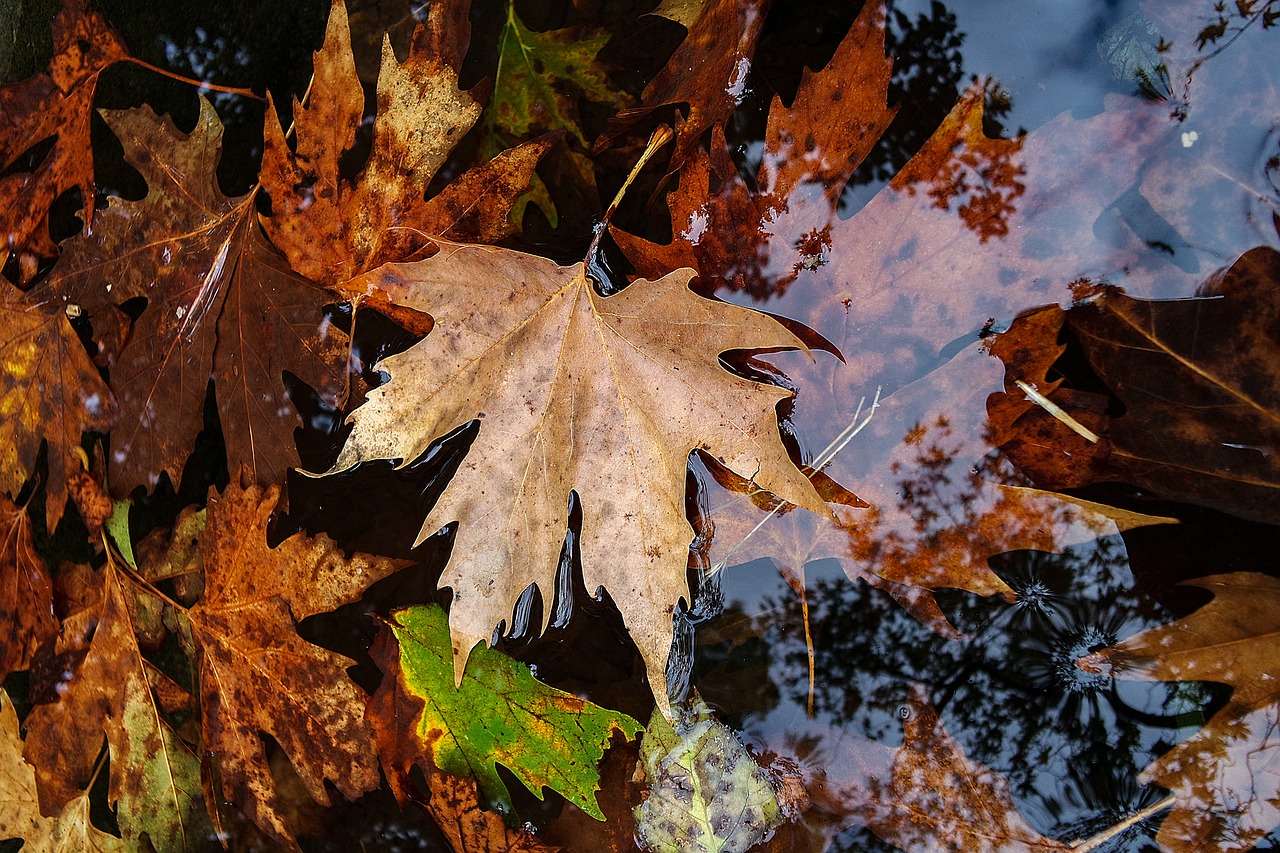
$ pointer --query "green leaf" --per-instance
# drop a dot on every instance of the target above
(536, 88)
(499, 714)
(706, 792)
(117, 526)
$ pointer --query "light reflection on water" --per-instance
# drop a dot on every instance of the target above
(1070, 744)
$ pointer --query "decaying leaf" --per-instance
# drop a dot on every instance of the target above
(26, 592)
(937, 799)
(221, 305)
(57, 103)
(20, 816)
(1226, 778)
(1200, 380)
(102, 685)
(541, 77)
(257, 676)
(50, 393)
(708, 71)
(603, 396)
(332, 229)
(706, 793)
(498, 714)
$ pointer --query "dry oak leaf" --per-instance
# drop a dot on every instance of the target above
(54, 104)
(221, 305)
(605, 396)
(20, 816)
(26, 592)
(50, 393)
(102, 684)
(936, 799)
(708, 71)
(1226, 778)
(257, 676)
(332, 229)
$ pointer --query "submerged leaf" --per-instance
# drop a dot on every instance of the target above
(498, 714)
(706, 793)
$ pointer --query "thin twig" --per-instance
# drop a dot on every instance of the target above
(1111, 832)
(856, 425)
(201, 84)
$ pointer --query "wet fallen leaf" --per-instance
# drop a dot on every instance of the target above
(1200, 382)
(708, 72)
(540, 79)
(706, 793)
(332, 229)
(498, 714)
(50, 394)
(258, 677)
(26, 592)
(603, 396)
(221, 305)
(103, 685)
(1226, 778)
(57, 103)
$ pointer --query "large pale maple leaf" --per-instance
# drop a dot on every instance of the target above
(605, 396)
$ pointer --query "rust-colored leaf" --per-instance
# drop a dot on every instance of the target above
(1200, 380)
(221, 305)
(708, 71)
(50, 394)
(603, 396)
(258, 677)
(56, 103)
(26, 592)
(1225, 778)
(332, 229)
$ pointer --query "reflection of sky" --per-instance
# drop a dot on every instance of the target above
(1044, 54)
(1072, 746)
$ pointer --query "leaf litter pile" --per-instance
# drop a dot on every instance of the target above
(459, 439)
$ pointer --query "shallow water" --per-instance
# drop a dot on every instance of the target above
(1071, 744)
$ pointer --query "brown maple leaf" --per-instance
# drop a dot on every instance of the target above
(221, 305)
(50, 394)
(258, 677)
(332, 229)
(95, 681)
(57, 103)
(1225, 778)
(26, 592)
(708, 72)
(603, 396)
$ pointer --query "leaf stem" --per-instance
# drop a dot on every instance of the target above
(661, 136)
(200, 84)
